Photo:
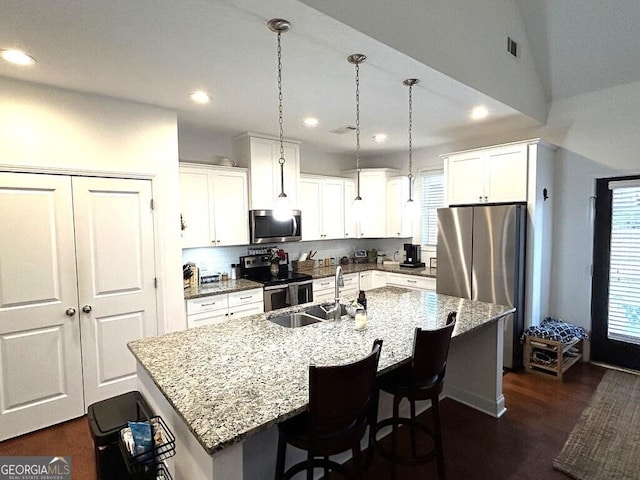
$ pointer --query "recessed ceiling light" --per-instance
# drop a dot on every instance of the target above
(380, 137)
(479, 112)
(17, 57)
(200, 97)
(311, 122)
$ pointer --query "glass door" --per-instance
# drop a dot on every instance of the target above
(615, 301)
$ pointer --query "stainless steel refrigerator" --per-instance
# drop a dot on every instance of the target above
(481, 256)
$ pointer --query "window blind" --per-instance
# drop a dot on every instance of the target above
(624, 273)
(431, 198)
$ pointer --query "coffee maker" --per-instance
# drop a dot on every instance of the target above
(413, 256)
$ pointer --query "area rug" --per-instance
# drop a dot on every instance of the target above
(605, 444)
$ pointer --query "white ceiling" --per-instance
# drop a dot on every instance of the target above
(156, 52)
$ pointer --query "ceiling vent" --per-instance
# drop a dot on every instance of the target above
(512, 47)
(343, 130)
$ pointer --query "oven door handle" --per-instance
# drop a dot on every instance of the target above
(276, 287)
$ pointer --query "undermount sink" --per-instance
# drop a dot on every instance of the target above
(293, 320)
(320, 311)
(308, 316)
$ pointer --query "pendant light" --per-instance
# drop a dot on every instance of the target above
(410, 207)
(282, 210)
(357, 208)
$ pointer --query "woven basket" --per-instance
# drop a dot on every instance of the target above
(303, 265)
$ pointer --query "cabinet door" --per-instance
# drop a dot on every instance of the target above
(365, 280)
(466, 178)
(207, 318)
(373, 187)
(116, 279)
(195, 204)
(398, 224)
(310, 206)
(40, 352)
(350, 225)
(245, 297)
(265, 172)
(378, 279)
(332, 209)
(245, 310)
(230, 207)
(507, 174)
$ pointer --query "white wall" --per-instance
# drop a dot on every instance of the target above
(599, 137)
(49, 128)
(465, 40)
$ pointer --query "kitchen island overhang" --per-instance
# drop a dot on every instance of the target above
(219, 385)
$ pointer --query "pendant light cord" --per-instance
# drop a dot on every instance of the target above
(280, 116)
(410, 141)
(358, 126)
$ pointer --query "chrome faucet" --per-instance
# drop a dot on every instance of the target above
(339, 283)
(335, 310)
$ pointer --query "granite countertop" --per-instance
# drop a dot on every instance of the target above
(230, 286)
(323, 272)
(216, 288)
(231, 380)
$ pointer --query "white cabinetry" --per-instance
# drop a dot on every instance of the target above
(398, 225)
(373, 190)
(322, 206)
(219, 308)
(350, 225)
(491, 175)
(213, 204)
(324, 289)
(413, 282)
(261, 154)
(366, 280)
(378, 279)
(351, 286)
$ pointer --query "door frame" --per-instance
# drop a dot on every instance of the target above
(603, 349)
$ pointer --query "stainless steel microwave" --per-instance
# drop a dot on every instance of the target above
(264, 228)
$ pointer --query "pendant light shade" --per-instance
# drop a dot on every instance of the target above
(358, 207)
(410, 209)
(282, 210)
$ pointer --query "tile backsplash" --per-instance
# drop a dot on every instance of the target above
(221, 258)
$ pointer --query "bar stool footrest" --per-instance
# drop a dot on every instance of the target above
(404, 459)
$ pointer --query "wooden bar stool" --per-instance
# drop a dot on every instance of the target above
(421, 379)
(340, 402)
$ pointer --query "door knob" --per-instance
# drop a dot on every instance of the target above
(70, 312)
(86, 309)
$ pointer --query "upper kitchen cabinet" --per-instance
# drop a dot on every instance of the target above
(322, 205)
(397, 195)
(213, 205)
(489, 175)
(261, 154)
(373, 190)
(350, 225)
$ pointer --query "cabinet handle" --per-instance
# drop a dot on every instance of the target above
(346, 234)
(70, 312)
(207, 304)
(480, 198)
(326, 283)
(486, 199)
(231, 314)
(87, 309)
(412, 281)
(245, 298)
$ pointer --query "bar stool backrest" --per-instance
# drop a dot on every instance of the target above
(430, 351)
(340, 396)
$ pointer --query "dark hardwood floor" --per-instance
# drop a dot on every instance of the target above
(541, 412)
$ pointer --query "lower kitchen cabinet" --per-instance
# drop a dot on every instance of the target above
(219, 308)
(413, 282)
(378, 279)
(351, 286)
(324, 289)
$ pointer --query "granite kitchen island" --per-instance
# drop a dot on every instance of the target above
(222, 388)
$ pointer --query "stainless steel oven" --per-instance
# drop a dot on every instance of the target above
(282, 290)
(281, 296)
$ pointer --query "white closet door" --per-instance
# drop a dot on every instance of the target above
(116, 273)
(40, 366)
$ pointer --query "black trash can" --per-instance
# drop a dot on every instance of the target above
(106, 419)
